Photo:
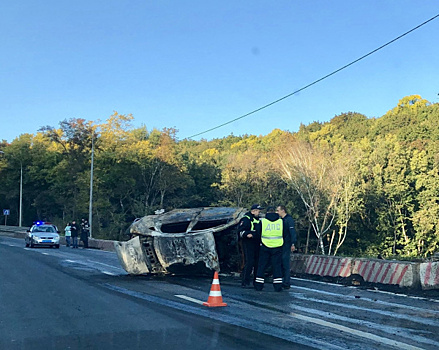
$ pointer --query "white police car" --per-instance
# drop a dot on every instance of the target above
(42, 234)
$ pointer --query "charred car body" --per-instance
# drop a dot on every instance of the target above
(183, 241)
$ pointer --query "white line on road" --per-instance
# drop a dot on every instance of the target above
(340, 306)
(362, 334)
(403, 295)
(108, 273)
(414, 308)
(327, 283)
(107, 265)
(196, 301)
(92, 264)
(369, 290)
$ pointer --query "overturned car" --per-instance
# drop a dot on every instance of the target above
(183, 241)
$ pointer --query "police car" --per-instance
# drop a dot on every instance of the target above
(42, 234)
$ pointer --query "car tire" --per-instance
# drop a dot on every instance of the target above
(57, 246)
(31, 243)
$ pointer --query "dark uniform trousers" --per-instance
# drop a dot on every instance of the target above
(286, 265)
(251, 254)
(266, 255)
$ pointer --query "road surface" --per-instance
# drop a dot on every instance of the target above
(82, 299)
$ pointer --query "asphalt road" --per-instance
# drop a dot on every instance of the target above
(83, 299)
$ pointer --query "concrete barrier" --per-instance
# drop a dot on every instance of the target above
(429, 275)
(397, 273)
(20, 232)
(331, 266)
(298, 263)
(13, 231)
(402, 274)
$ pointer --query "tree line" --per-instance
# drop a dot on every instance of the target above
(356, 186)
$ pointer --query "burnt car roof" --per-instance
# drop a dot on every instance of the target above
(187, 220)
(182, 241)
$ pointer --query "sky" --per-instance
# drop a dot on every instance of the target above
(196, 64)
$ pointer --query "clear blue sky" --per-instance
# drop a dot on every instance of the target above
(193, 64)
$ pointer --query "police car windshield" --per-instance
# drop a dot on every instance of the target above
(44, 229)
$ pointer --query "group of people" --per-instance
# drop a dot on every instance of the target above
(73, 230)
(268, 240)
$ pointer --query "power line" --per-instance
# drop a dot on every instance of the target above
(316, 81)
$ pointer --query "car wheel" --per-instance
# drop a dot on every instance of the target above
(31, 243)
(57, 246)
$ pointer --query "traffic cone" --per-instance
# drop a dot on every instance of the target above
(215, 299)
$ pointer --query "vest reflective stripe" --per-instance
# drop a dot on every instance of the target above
(272, 233)
(252, 222)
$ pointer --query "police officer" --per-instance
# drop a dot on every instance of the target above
(289, 245)
(250, 235)
(85, 232)
(272, 240)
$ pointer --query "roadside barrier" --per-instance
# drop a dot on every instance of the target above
(375, 271)
(215, 298)
(328, 266)
(429, 275)
(402, 274)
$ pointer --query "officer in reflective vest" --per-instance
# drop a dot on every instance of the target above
(250, 236)
(272, 240)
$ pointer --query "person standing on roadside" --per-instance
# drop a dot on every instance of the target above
(290, 241)
(272, 240)
(68, 233)
(74, 229)
(85, 232)
(250, 236)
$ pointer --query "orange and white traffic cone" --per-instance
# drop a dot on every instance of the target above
(215, 299)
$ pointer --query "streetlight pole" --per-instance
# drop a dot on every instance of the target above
(90, 207)
(21, 194)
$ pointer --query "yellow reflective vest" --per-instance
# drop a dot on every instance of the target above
(253, 222)
(272, 233)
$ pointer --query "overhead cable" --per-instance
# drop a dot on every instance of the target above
(316, 81)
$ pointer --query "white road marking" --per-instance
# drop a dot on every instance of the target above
(92, 264)
(196, 301)
(340, 306)
(107, 265)
(358, 333)
(327, 283)
(403, 295)
(414, 308)
(403, 332)
(369, 290)
(108, 273)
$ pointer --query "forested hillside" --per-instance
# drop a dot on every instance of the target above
(355, 185)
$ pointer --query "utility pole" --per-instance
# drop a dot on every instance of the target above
(90, 208)
(21, 194)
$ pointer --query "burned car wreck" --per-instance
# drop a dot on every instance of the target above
(183, 241)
